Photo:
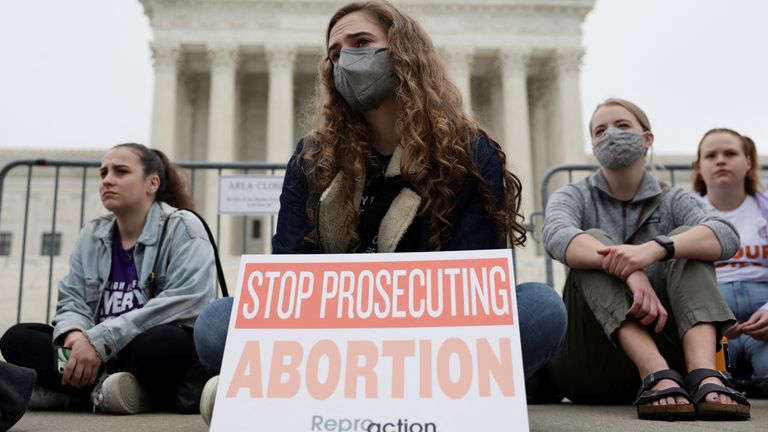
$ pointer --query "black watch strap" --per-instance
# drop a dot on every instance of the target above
(667, 244)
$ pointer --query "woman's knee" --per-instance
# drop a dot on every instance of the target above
(10, 336)
(680, 229)
(542, 309)
(601, 236)
(211, 333)
(22, 335)
(214, 319)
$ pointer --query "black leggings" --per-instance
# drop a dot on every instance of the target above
(159, 358)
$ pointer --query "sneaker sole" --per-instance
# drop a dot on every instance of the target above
(127, 398)
(208, 398)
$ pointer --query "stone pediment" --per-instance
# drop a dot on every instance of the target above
(481, 22)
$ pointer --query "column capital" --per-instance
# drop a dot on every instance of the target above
(568, 60)
(166, 55)
(513, 59)
(281, 57)
(224, 55)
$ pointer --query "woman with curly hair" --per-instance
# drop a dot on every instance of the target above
(393, 164)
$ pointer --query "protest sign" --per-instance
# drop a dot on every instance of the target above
(401, 342)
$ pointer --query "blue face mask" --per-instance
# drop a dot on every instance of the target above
(364, 77)
(618, 148)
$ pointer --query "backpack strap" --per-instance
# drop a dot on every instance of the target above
(219, 272)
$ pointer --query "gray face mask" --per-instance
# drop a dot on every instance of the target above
(364, 77)
(618, 148)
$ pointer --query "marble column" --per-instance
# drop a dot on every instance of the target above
(221, 117)
(541, 134)
(571, 139)
(513, 64)
(459, 63)
(280, 139)
(167, 58)
(221, 146)
(517, 135)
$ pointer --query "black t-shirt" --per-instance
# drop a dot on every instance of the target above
(378, 194)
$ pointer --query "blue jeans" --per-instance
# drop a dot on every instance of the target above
(541, 313)
(748, 356)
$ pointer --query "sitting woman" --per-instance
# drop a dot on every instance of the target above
(641, 293)
(126, 308)
(393, 164)
(726, 174)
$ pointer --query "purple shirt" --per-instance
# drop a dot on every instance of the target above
(122, 293)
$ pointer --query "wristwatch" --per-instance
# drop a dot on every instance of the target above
(667, 244)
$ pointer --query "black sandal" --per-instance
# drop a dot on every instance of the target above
(716, 411)
(646, 394)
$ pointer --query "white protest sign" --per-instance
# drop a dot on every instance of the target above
(250, 195)
(408, 342)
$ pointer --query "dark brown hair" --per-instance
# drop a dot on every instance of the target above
(173, 186)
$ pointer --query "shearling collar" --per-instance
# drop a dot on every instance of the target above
(333, 235)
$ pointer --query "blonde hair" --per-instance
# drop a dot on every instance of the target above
(627, 105)
(436, 134)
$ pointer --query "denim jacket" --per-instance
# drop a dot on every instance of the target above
(184, 279)
(402, 229)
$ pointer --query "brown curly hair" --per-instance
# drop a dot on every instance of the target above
(435, 133)
(752, 182)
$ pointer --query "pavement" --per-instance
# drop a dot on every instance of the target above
(564, 417)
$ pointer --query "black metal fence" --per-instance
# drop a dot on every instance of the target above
(83, 174)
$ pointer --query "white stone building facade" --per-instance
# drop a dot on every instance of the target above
(234, 80)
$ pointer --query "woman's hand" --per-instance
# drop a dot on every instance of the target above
(83, 364)
(733, 331)
(622, 260)
(756, 326)
(646, 306)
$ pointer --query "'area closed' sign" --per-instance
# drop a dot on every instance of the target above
(250, 195)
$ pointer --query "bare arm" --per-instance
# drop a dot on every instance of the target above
(582, 252)
(698, 243)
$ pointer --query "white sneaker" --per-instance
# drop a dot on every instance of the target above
(120, 393)
(208, 398)
(44, 399)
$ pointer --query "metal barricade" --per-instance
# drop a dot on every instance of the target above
(84, 173)
(86, 177)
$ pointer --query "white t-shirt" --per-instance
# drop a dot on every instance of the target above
(751, 261)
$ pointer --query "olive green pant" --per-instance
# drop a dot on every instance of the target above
(591, 368)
